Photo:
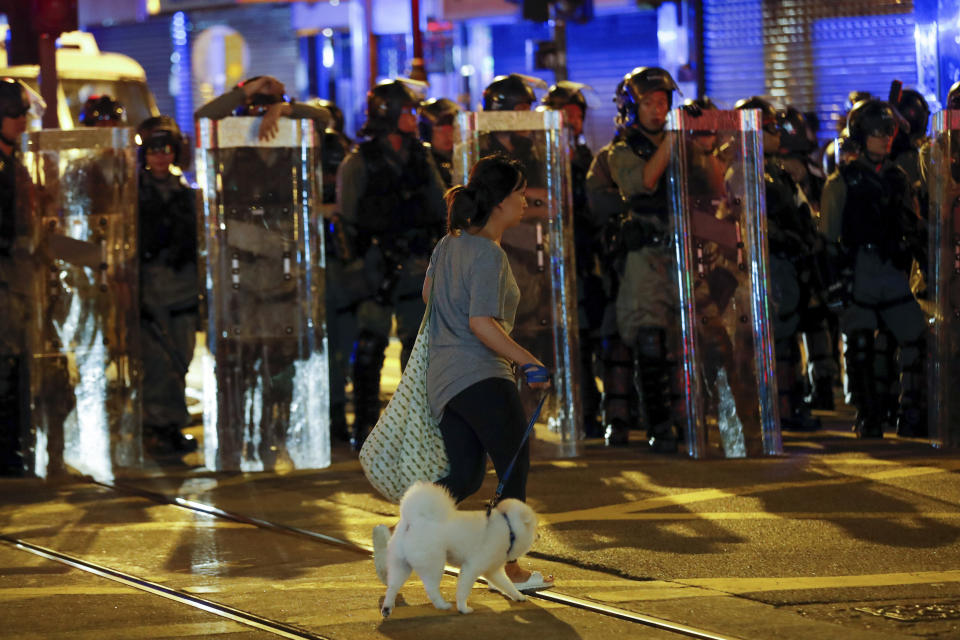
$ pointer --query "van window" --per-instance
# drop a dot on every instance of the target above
(134, 96)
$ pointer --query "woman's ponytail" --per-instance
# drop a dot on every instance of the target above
(461, 208)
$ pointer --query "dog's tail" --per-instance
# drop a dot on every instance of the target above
(426, 501)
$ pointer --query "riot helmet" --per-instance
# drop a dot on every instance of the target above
(696, 107)
(838, 152)
(566, 92)
(953, 96)
(506, 93)
(336, 113)
(635, 86)
(914, 109)
(386, 102)
(436, 112)
(102, 111)
(871, 118)
(795, 135)
(161, 133)
(14, 101)
(768, 114)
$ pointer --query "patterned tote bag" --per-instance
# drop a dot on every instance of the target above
(405, 446)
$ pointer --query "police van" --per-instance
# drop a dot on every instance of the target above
(83, 70)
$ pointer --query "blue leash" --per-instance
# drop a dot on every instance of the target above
(534, 373)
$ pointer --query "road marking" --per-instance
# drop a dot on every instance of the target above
(626, 510)
(751, 585)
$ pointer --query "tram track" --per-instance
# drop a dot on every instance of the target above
(261, 623)
(552, 595)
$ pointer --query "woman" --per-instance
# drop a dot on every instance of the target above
(471, 383)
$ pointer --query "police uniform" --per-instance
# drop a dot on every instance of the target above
(392, 201)
(345, 285)
(14, 386)
(169, 294)
(869, 210)
(647, 305)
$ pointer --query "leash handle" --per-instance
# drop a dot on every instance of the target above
(533, 420)
(534, 373)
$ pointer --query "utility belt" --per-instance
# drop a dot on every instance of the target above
(395, 250)
(642, 230)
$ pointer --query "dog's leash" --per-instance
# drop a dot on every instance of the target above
(534, 373)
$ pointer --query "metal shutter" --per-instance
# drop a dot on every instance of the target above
(599, 53)
(733, 50)
(808, 53)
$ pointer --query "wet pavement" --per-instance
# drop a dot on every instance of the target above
(839, 538)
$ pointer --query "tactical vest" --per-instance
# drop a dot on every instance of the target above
(445, 166)
(393, 204)
(8, 183)
(333, 150)
(786, 228)
(873, 211)
(648, 203)
(167, 229)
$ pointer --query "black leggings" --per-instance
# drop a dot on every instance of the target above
(485, 418)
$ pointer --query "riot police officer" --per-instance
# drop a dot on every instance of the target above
(568, 97)
(437, 116)
(169, 286)
(14, 388)
(514, 92)
(797, 144)
(343, 274)
(647, 306)
(390, 197)
(792, 237)
(869, 211)
(907, 145)
(261, 96)
(619, 398)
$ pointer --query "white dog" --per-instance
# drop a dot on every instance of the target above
(432, 533)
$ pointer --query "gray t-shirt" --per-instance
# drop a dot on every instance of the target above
(471, 278)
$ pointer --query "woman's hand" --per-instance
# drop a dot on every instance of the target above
(535, 385)
(270, 125)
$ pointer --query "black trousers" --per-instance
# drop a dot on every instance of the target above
(485, 418)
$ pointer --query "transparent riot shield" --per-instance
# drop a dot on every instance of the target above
(716, 184)
(81, 193)
(944, 279)
(266, 386)
(540, 250)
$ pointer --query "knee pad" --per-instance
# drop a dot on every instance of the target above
(370, 348)
(913, 355)
(860, 347)
(651, 344)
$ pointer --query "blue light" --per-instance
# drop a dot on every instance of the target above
(180, 86)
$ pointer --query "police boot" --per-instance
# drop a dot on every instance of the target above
(618, 392)
(912, 419)
(860, 372)
(652, 377)
(589, 394)
(366, 385)
(821, 396)
(886, 378)
(794, 414)
(11, 459)
(339, 430)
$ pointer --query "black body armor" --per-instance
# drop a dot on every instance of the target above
(395, 208)
(874, 214)
(167, 225)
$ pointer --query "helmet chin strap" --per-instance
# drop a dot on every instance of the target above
(652, 132)
(7, 141)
